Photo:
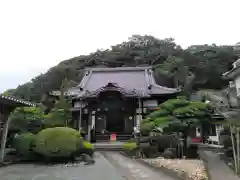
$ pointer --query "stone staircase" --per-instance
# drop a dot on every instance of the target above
(109, 146)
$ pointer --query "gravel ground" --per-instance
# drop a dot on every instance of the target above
(194, 169)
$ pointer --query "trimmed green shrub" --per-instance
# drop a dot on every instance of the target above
(172, 104)
(158, 113)
(130, 146)
(87, 145)
(193, 109)
(146, 121)
(163, 120)
(23, 144)
(58, 142)
(87, 148)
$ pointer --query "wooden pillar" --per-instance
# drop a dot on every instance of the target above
(138, 114)
(80, 117)
(91, 122)
(4, 118)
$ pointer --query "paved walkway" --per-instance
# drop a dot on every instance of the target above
(102, 170)
(109, 166)
(217, 168)
(132, 170)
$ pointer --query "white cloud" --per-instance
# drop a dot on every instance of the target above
(35, 35)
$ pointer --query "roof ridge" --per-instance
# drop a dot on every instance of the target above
(17, 100)
(119, 69)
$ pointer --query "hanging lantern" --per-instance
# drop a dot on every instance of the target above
(85, 111)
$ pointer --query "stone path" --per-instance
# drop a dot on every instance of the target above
(132, 170)
(109, 166)
(218, 170)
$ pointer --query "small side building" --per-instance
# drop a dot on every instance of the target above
(114, 100)
(234, 74)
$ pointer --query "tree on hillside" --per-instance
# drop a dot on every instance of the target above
(205, 62)
(175, 68)
(60, 114)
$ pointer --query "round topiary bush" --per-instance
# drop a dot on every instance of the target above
(23, 144)
(58, 142)
(87, 148)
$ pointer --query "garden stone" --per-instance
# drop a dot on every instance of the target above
(87, 159)
(169, 153)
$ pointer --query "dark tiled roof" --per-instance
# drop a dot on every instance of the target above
(138, 79)
(10, 101)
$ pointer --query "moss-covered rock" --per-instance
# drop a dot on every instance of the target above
(58, 142)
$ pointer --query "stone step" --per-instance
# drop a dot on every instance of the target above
(108, 146)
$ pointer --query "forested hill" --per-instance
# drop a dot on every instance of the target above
(173, 65)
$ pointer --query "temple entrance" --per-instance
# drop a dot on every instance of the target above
(112, 114)
(115, 121)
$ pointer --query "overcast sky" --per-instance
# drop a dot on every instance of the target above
(37, 34)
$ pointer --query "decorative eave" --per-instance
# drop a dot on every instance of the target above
(232, 74)
(11, 101)
(110, 87)
(154, 88)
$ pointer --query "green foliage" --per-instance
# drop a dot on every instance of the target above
(204, 64)
(182, 114)
(87, 145)
(56, 118)
(172, 104)
(23, 143)
(161, 121)
(60, 115)
(193, 109)
(146, 128)
(57, 142)
(158, 113)
(146, 121)
(22, 117)
(130, 146)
